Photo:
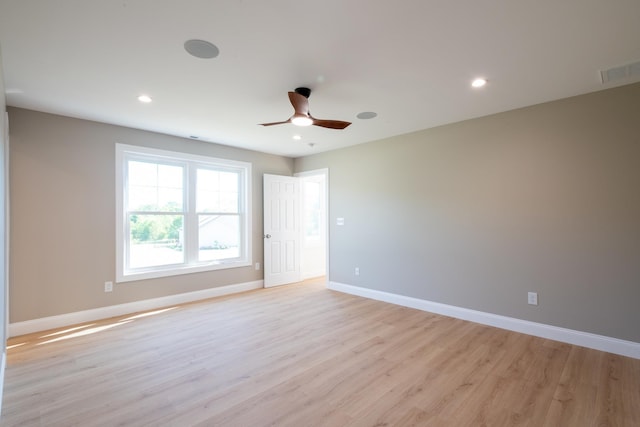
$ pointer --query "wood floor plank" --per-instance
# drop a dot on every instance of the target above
(302, 355)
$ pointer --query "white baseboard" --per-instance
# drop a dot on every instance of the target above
(570, 336)
(3, 363)
(45, 323)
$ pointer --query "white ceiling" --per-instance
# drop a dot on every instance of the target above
(411, 61)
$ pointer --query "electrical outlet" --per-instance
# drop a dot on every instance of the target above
(532, 298)
(357, 271)
(257, 266)
(108, 286)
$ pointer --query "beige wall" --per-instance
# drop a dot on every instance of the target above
(472, 214)
(3, 236)
(477, 213)
(63, 215)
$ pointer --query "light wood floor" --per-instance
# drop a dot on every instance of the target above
(302, 355)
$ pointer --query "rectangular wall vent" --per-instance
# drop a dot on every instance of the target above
(628, 71)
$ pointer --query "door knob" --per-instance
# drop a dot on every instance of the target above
(267, 236)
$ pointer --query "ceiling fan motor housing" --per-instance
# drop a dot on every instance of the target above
(304, 91)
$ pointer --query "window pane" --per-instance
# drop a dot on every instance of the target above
(143, 174)
(228, 202)
(155, 187)
(218, 237)
(229, 182)
(208, 180)
(217, 191)
(155, 240)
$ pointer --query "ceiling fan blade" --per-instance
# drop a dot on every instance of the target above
(275, 123)
(300, 103)
(332, 124)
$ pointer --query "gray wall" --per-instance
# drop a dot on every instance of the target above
(63, 215)
(477, 213)
(3, 201)
(472, 214)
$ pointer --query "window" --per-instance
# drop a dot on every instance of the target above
(179, 213)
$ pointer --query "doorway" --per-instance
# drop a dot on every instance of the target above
(295, 227)
(314, 233)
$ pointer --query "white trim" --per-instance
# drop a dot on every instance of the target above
(4, 280)
(7, 229)
(570, 336)
(45, 323)
(3, 363)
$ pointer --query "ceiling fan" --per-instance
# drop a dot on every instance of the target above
(302, 117)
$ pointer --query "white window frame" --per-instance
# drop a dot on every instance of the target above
(192, 162)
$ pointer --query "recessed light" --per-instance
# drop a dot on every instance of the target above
(366, 115)
(479, 82)
(297, 137)
(201, 49)
(194, 136)
(145, 98)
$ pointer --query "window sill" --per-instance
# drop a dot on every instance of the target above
(178, 271)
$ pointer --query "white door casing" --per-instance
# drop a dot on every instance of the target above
(281, 230)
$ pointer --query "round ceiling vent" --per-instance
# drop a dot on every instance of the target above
(201, 49)
(366, 115)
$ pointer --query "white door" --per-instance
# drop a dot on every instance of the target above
(281, 230)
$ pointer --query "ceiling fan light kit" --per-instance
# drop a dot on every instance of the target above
(301, 117)
(301, 120)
